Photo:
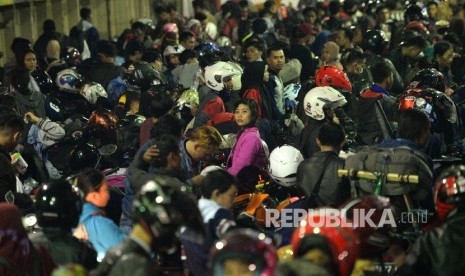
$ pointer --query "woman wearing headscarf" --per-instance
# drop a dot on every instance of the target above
(330, 55)
(253, 87)
(18, 256)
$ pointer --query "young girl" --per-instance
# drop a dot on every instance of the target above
(99, 230)
(218, 193)
(248, 149)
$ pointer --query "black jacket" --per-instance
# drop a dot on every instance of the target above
(306, 142)
(332, 191)
(440, 251)
(8, 182)
(64, 248)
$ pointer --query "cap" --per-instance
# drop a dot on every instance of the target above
(306, 29)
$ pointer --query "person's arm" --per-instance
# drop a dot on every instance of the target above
(50, 132)
(108, 234)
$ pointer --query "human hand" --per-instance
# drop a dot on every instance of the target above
(150, 153)
(31, 118)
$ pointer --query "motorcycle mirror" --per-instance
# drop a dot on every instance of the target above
(107, 150)
(30, 220)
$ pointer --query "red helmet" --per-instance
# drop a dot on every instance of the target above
(450, 190)
(330, 75)
(416, 98)
(418, 27)
(251, 251)
(343, 241)
(373, 241)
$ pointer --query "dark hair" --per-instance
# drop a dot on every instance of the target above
(20, 44)
(348, 32)
(380, 71)
(20, 78)
(413, 125)
(432, 3)
(331, 134)
(10, 121)
(198, 4)
(187, 54)
(273, 48)
(19, 55)
(160, 9)
(441, 48)
(307, 10)
(167, 124)
(8, 100)
(257, 43)
(160, 104)
(151, 55)
(416, 41)
(85, 13)
(106, 48)
(48, 26)
(138, 25)
(259, 26)
(185, 35)
(219, 180)
(200, 16)
(133, 46)
(352, 56)
(166, 144)
(253, 106)
(90, 180)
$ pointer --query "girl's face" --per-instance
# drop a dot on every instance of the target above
(243, 115)
(226, 199)
(30, 61)
(446, 58)
(326, 55)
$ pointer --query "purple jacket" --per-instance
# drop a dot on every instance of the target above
(248, 150)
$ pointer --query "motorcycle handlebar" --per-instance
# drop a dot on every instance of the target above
(391, 177)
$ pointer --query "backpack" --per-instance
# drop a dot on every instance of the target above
(401, 160)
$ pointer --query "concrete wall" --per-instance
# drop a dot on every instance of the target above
(110, 17)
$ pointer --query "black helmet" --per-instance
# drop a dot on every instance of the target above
(59, 205)
(164, 207)
(414, 13)
(375, 41)
(428, 78)
(72, 56)
(43, 80)
(52, 109)
(83, 156)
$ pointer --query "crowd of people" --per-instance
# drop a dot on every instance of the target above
(222, 116)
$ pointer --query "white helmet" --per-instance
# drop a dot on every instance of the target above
(223, 41)
(284, 161)
(92, 91)
(214, 74)
(322, 97)
(69, 80)
(173, 50)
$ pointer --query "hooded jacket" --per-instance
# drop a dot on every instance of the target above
(248, 150)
